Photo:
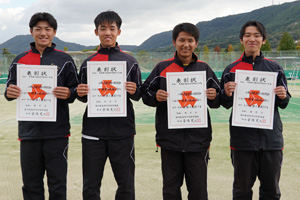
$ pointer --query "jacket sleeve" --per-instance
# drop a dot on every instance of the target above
(213, 82)
(83, 80)
(226, 101)
(71, 80)
(150, 87)
(12, 77)
(281, 81)
(135, 76)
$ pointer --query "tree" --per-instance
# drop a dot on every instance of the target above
(96, 48)
(266, 46)
(217, 49)
(241, 47)
(205, 49)
(5, 52)
(65, 49)
(143, 56)
(196, 50)
(230, 48)
(298, 45)
(287, 42)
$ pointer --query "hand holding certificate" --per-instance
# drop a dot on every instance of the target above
(254, 98)
(36, 102)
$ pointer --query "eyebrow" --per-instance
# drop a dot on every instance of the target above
(43, 26)
(111, 26)
(252, 33)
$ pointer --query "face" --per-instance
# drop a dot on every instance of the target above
(42, 34)
(185, 44)
(252, 41)
(108, 34)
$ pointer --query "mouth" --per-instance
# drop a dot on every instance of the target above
(43, 39)
(185, 50)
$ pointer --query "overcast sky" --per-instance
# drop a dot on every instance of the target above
(141, 19)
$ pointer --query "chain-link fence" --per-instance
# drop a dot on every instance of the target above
(147, 60)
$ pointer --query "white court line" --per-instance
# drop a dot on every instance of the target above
(295, 103)
(71, 110)
(8, 119)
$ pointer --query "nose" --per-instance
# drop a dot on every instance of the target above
(252, 37)
(107, 32)
(186, 44)
(43, 31)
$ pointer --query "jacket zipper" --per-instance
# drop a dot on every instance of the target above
(42, 136)
(259, 132)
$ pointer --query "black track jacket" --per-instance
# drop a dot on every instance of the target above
(112, 127)
(66, 77)
(184, 140)
(243, 138)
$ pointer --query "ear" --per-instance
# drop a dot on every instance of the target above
(96, 32)
(31, 31)
(174, 43)
(119, 32)
(264, 41)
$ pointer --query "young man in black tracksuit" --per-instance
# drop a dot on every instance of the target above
(255, 152)
(109, 137)
(184, 152)
(44, 145)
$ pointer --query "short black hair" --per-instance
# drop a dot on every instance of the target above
(108, 16)
(43, 16)
(260, 27)
(186, 27)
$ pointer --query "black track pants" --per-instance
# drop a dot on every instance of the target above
(121, 156)
(266, 165)
(191, 165)
(38, 157)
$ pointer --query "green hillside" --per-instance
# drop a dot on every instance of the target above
(225, 30)
(20, 43)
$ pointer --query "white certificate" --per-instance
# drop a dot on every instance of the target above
(107, 96)
(37, 102)
(254, 99)
(187, 104)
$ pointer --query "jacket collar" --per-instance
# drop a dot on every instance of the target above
(48, 49)
(109, 49)
(249, 59)
(177, 61)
